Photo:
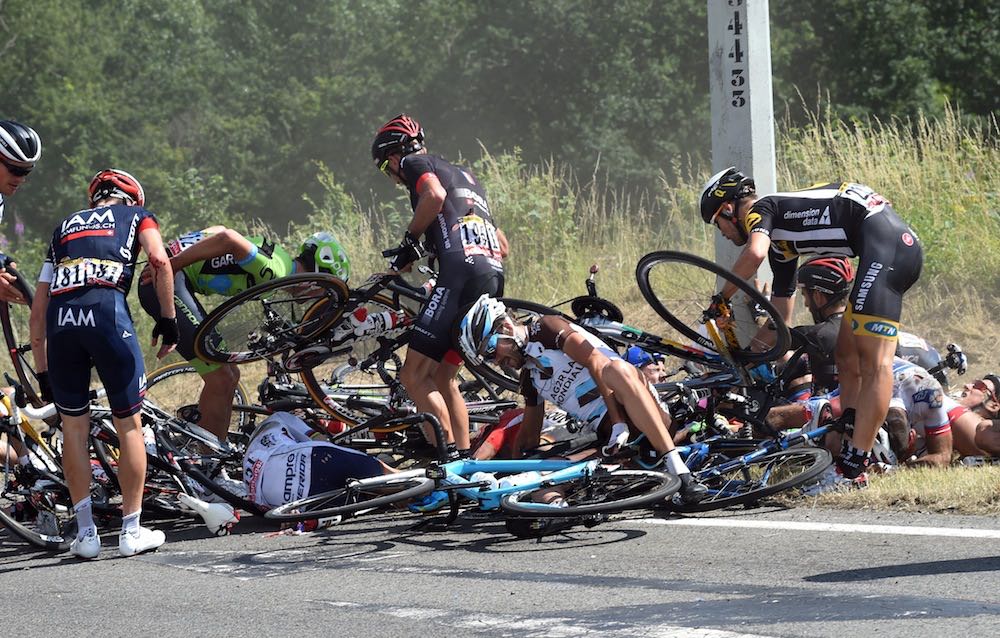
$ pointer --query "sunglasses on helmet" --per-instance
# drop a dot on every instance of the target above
(18, 171)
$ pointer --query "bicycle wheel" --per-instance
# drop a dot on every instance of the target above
(349, 500)
(36, 508)
(679, 286)
(601, 492)
(14, 320)
(746, 483)
(501, 377)
(177, 385)
(270, 318)
(334, 380)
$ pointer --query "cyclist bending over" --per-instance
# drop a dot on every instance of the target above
(563, 363)
(846, 219)
(221, 261)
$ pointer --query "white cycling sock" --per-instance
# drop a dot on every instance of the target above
(84, 517)
(674, 463)
(130, 523)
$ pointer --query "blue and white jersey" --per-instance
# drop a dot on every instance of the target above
(95, 248)
(550, 374)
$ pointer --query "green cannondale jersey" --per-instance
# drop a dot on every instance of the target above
(224, 275)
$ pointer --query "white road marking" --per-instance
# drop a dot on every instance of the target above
(538, 626)
(949, 532)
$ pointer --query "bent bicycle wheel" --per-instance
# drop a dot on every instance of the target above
(679, 286)
(600, 492)
(14, 320)
(349, 500)
(748, 482)
(507, 378)
(270, 318)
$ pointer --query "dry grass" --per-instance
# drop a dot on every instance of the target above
(954, 490)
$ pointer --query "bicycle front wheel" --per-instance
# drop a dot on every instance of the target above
(679, 286)
(270, 318)
(352, 499)
(601, 492)
(746, 483)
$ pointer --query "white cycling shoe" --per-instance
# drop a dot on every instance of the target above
(89, 546)
(219, 517)
(144, 541)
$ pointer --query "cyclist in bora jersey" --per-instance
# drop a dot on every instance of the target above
(450, 209)
(80, 319)
(221, 261)
(845, 219)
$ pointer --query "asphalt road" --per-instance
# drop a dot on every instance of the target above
(764, 572)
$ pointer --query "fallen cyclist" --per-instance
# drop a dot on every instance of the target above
(563, 363)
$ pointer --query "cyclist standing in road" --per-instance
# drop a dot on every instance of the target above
(221, 261)
(845, 219)
(450, 209)
(80, 319)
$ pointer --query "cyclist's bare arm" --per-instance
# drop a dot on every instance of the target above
(530, 435)
(429, 204)
(988, 436)
(36, 324)
(224, 242)
(579, 349)
(749, 261)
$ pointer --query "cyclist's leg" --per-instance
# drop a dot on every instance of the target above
(632, 392)
(417, 377)
(215, 403)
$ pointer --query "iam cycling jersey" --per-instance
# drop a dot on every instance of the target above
(464, 239)
(844, 219)
(227, 276)
(282, 464)
(550, 374)
(89, 271)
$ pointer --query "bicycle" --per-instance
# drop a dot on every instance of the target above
(16, 334)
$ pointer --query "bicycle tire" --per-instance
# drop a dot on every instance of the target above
(171, 387)
(14, 321)
(346, 500)
(602, 492)
(51, 528)
(507, 378)
(688, 282)
(750, 482)
(331, 382)
(268, 319)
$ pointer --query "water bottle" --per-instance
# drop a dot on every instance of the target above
(365, 322)
(487, 477)
(524, 478)
(149, 439)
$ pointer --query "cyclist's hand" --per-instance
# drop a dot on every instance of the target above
(44, 387)
(8, 292)
(167, 327)
(617, 440)
(717, 308)
(146, 275)
(408, 252)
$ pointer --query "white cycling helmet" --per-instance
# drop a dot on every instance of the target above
(480, 326)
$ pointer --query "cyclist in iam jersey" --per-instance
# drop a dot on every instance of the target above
(841, 219)
(80, 319)
(450, 209)
(221, 261)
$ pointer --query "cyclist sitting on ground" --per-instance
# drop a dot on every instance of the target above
(450, 208)
(221, 261)
(283, 464)
(848, 219)
(564, 363)
(87, 323)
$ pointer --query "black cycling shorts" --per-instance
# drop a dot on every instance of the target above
(331, 466)
(432, 333)
(190, 314)
(890, 261)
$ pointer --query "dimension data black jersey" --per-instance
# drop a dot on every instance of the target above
(823, 219)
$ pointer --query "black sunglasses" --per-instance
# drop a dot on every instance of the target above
(17, 171)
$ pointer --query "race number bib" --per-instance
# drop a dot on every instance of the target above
(865, 196)
(79, 273)
(479, 237)
(184, 241)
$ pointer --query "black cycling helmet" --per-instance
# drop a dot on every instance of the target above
(402, 134)
(724, 186)
(829, 274)
(19, 143)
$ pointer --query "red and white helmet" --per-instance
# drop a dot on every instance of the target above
(112, 182)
